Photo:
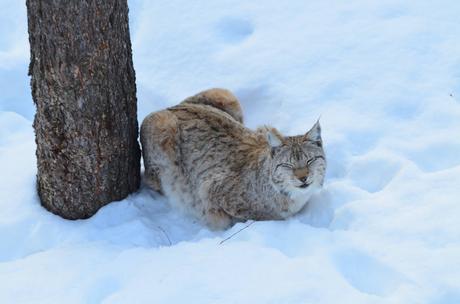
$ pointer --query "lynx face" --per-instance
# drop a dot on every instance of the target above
(299, 162)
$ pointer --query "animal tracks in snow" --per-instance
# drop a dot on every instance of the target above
(366, 273)
(373, 172)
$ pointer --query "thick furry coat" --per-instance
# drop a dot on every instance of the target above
(200, 155)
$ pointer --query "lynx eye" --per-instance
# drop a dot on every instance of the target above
(285, 165)
(311, 160)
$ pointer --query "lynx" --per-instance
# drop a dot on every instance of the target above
(201, 155)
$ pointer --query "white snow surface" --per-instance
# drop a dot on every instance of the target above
(385, 78)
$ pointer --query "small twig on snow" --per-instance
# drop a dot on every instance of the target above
(224, 240)
(164, 232)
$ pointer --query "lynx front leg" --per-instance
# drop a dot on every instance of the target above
(218, 220)
(209, 194)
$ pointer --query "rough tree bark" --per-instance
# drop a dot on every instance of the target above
(83, 85)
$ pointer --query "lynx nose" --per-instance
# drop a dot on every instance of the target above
(301, 174)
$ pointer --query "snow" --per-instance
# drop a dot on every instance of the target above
(384, 77)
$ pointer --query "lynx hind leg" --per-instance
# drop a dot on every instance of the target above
(221, 99)
(152, 178)
(158, 138)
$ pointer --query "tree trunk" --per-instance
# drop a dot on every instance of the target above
(83, 85)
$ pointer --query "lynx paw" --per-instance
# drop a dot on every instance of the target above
(218, 220)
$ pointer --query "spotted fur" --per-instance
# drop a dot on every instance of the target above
(202, 157)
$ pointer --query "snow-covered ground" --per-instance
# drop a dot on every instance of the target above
(385, 78)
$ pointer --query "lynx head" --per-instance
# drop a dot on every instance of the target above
(298, 162)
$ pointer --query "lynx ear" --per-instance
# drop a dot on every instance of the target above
(275, 139)
(315, 133)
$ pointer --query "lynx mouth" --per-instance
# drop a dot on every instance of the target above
(304, 185)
